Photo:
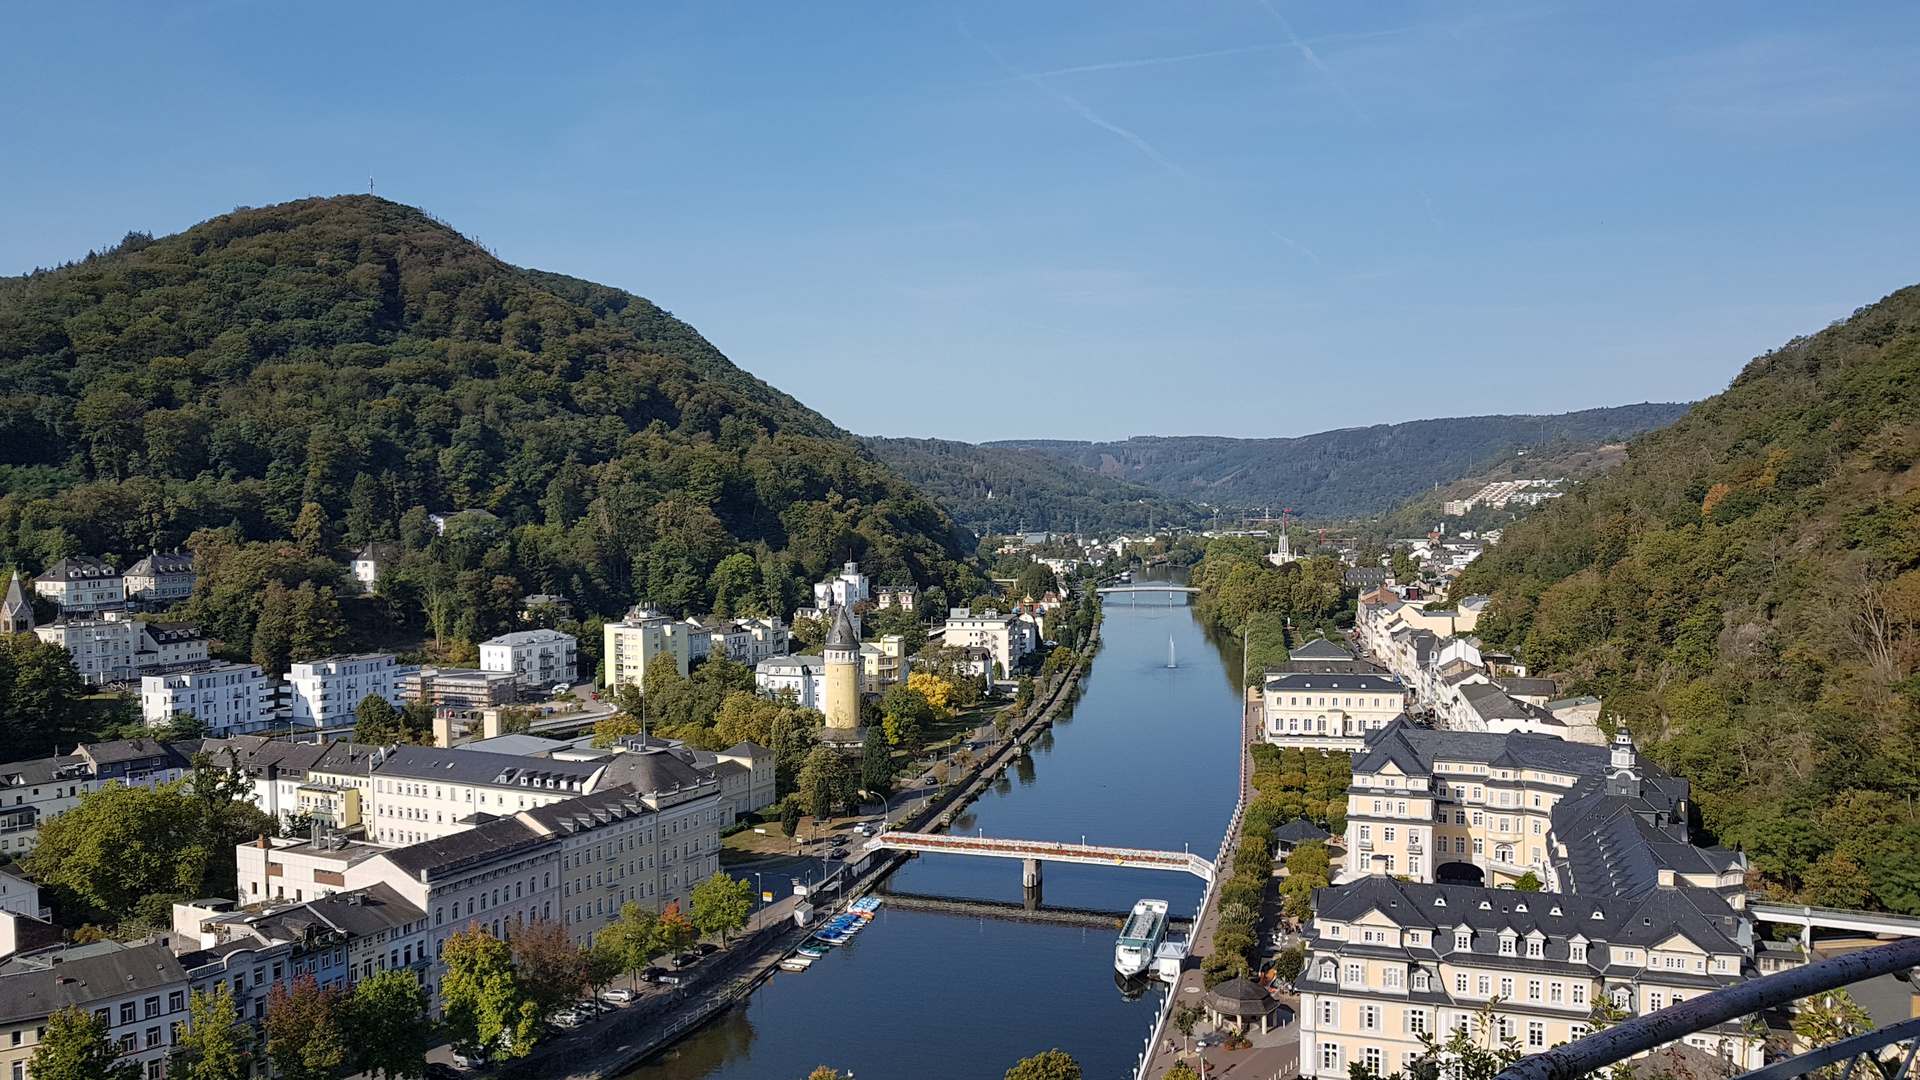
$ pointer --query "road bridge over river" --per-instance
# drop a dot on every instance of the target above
(1033, 852)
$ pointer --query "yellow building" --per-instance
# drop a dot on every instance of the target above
(842, 698)
(633, 642)
(883, 662)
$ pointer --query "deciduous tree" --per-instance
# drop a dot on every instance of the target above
(214, 1045)
(722, 904)
(547, 964)
(486, 1012)
(304, 1036)
(77, 1046)
(1051, 1065)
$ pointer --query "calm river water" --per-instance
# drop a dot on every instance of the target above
(1148, 760)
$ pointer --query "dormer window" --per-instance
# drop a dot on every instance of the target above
(1439, 901)
(1577, 952)
(1506, 945)
(1596, 914)
(1520, 907)
(1555, 911)
(1462, 940)
(1536, 948)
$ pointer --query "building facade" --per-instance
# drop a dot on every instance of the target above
(115, 648)
(1329, 712)
(326, 691)
(538, 658)
(1391, 961)
(841, 691)
(231, 699)
(633, 642)
(82, 583)
(803, 675)
(162, 579)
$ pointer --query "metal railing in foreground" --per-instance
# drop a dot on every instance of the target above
(1676, 1022)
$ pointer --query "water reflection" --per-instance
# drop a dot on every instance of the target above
(1148, 761)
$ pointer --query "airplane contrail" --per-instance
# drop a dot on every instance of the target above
(1311, 58)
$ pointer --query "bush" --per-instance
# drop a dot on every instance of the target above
(1222, 966)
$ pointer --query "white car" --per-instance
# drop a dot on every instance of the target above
(619, 995)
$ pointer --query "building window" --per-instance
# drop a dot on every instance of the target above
(1577, 953)
(1329, 1013)
(1356, 975)
(1536, 1035)
(153, 1037)
(1370, 1018)
(1579, 993)
(1536, 948)
(1462, 941)
(1330, 1059)
(1483, 986)
(1655, 1002)
(1556, 992)
(1533, 989)
(1506, 989)
(1387, 834)
(126, 1012)
(1416, 1021)
(1459, 983)
(1506, 946)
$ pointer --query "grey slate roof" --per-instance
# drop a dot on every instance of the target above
(164, 562)
(486, 842)
(652, 771)
(1299, 831)
(842, 635)
(85, 975)
(588, 811)
(1544, 688)
(1415, 749)
(1320, 649)
(78, 568)
(1355, 684)
(433, 764)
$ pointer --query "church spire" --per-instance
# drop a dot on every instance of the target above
(16, 614)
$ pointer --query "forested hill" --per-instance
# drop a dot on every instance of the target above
(1004, 489)
(1354, 472)
(1745, 593)
(332, 370)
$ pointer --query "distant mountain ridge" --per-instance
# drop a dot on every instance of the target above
(1351, 472)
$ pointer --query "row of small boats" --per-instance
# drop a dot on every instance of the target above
(836, 931)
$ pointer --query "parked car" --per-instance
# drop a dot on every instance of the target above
(652, 974)
(686, 960)
(837, 853)
(671, 980)
(619, 995)
(466, 1062)
(707, 948)
(567, 1019)
(931, 782)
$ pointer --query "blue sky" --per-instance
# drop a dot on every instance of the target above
(1067, 220)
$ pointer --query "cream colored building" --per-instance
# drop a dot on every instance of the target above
(633, 642)
(883, 662)
(1330, 712)
(1389, 961)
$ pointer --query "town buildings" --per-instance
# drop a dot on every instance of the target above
(231, 699)
(459, 690)
(634, 641)
(161, 580)
(906, 597)
(115, 647)
(1010, 637)
(883, 663)
(1329, 712)
(140, 990)
(843, 590)
(804, 675)
(537, 658)
(82, 583)
(1390, 961)
(326, 691)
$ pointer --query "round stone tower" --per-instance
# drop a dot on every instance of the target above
(842, 699)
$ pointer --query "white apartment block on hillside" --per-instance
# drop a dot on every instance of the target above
(162, 579)
(539, 658)
(1010, 638)
(231, 699)
(326, 691)
(804, 675)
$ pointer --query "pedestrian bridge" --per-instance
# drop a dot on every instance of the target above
(1035, 852)
(1158, 587)
(1861, 922)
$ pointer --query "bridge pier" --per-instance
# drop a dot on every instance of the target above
(1030, 873)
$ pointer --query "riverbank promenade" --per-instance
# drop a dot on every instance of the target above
(1275, 1054)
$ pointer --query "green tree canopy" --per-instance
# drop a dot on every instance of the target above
(387, 1027)
(1051, 1065)
(486, 1012)
(305, 1040)
(40, 691)
(722, 904)
(78, 1045)
(216, 1043)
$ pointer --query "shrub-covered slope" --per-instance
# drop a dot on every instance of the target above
(1745, 593)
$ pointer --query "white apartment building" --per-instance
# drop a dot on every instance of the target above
(633, 642)
(706, 634)
(139, 990)
(413, 794)
(116, 648)
(844, 589)
(82, 583)
(802, 675)
(231, 699)
(1329, 711)
(326, 691)
(539, 658)
(162, 579)
(1008, 637)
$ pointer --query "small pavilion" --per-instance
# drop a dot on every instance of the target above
(1240, 1003)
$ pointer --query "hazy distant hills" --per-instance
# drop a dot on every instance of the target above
(1005, 489)
(1352, 472)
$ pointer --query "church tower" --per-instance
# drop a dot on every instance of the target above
(16, 614)
(1623, 766)
(841, 702)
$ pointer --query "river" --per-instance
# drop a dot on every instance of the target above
(1148, 760)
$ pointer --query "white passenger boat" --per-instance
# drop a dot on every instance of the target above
(1140, 935)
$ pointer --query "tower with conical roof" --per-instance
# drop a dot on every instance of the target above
(841, 702)
(16, 614)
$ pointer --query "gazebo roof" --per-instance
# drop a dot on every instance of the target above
(1240, 997)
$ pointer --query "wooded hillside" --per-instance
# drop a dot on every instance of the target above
(1745, 593)
(332, 370)
(1353, 472)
